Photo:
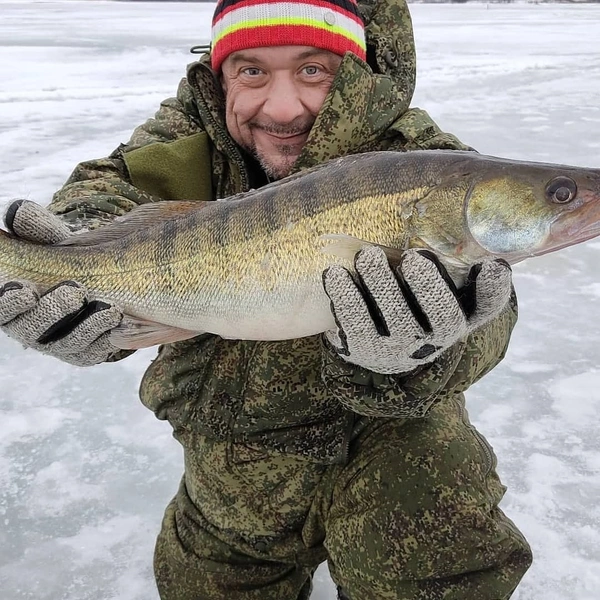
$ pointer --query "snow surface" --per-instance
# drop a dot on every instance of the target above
(86, 471)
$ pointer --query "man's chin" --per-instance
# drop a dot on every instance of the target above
(277, 167)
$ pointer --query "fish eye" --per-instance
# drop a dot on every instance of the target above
(561, 190)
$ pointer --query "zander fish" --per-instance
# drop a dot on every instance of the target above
(250, 266)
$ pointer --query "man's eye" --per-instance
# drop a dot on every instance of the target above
(252, 71)
(312, 70)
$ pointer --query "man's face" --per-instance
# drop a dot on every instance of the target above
(273, 96)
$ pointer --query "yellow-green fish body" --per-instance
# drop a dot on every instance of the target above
(250, 267)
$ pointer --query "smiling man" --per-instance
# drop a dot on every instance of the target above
(273, 99)
(353, 447)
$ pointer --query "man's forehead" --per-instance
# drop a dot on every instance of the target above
(280, 53)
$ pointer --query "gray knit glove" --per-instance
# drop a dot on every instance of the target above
(62, 322)
(395, 320)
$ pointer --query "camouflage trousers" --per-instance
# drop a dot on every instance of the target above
(412, 514)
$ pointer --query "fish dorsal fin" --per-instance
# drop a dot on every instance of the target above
(141, 217)
(346, 246)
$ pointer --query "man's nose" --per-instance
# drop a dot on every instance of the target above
(284, 101)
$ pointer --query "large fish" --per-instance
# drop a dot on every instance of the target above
(250, 267)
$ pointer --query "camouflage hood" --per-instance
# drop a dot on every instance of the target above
(364, 100)
(391, 44)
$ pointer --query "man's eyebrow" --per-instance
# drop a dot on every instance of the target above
(239, 56)
(312, 52)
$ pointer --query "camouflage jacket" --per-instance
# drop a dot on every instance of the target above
(293, 396)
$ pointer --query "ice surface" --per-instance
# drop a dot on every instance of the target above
(86, 471)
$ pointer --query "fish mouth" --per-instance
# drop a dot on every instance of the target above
(575, 227)
(560, 246)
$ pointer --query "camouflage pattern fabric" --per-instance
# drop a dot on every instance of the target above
(293, 456)
(412, 515)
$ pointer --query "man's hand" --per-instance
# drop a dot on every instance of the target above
(62, 322)
(394, 320)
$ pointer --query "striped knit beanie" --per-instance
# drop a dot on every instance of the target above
(333, 25)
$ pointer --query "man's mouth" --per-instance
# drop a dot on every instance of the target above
(293, 133)
(290, 137)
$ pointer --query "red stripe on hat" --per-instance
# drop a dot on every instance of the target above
(282, 35)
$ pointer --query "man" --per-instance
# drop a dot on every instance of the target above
(352, 447)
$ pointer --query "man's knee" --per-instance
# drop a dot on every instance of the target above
(415, 515)
(481, 558)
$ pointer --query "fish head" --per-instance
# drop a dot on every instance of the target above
(517, 209)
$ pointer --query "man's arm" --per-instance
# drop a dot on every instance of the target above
(412, 394)
(63, 322)
(405, 341)
(416, 130)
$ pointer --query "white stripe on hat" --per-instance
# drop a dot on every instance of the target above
(328, 18)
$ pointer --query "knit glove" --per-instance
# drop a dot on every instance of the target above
(393, 320)
(61, 322)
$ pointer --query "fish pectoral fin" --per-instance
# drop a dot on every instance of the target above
(140, 217)
(133, 333)
(346, 246)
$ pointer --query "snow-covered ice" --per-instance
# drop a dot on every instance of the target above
(86, 471)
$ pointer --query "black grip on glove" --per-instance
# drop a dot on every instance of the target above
(64, 326)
